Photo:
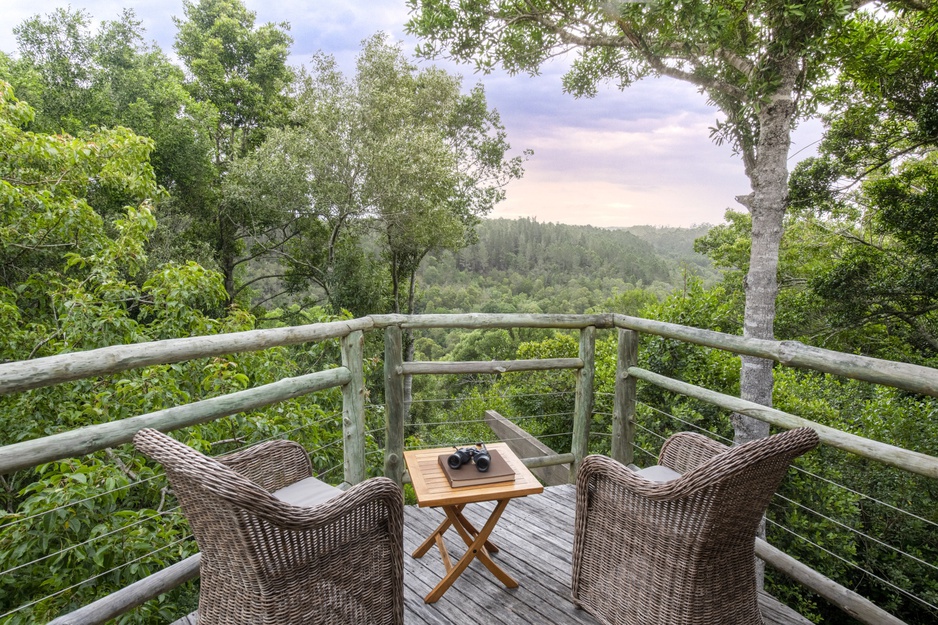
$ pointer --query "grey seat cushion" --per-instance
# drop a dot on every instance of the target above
(306, 493)
(658, 473)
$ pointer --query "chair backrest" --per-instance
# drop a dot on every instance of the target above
(265, 560)
(736, 486)
(212, 495)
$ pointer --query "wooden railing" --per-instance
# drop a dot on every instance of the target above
(21, 376)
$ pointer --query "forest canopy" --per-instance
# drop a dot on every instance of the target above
(143, 198)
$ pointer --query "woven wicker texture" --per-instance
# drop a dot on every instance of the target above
(267, 561)
(679, 552)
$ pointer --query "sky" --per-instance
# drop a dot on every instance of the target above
(623, 158)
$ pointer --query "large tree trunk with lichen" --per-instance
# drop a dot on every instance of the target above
(768, 176)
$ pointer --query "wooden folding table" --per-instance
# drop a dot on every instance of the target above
(433, 490)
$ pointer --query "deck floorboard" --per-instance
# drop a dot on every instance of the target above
(535, 538)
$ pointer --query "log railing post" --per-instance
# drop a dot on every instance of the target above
(394, 402)
(353, 408)
(623, 410)
(583, 406)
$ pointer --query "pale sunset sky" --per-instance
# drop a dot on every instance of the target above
(623, 158)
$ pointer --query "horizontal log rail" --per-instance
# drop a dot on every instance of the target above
(136, 594)
(29, 374)
(487, 366)
(915, 378)
(481, 321)
(911, 461)
(26, 375)
(857, 606)
(93, 438)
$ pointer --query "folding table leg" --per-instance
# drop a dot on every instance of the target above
(476, 549)
(433, 538)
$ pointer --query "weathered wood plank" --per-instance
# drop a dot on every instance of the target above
(527, 446)
(855, 605)
(547, 461)
(535, 538)
(487, 366)
(93, 438)
(902, 375)
(911, 461)
(138, 593)
(28, 374)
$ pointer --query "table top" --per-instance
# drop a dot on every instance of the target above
(433, 489)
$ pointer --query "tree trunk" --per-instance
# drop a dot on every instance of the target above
(226, 255)
(768, 176)
(769, 199)
(409, 347)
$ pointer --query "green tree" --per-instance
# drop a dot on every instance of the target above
(389, 166)
(240, 70)
(760, 63)
(874, 186)
(74, 279)
(78, 80)
(49, 188)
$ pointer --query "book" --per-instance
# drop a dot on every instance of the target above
(469, 475)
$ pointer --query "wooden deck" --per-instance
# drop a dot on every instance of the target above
(535, 536)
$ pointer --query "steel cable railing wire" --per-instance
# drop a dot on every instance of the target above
(159, 474)
(867, 497)
(91, 540)
(856, 566)
(130, 526)
(688, 423)
(468, 421)
(94, 577)
(645, 451)
(852, 530)
(500, 396)
(80, 501)
(796, 467)
(489, 442)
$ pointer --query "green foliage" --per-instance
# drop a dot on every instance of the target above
(869, 503)
(522, 266)
(239, 67)
(374, 173)
(76, 277)
(238, 73)
(78, 80)
(869, 194)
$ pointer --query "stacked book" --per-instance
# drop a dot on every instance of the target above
(469, 475)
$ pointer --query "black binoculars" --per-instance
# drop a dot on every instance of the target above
(465, 455)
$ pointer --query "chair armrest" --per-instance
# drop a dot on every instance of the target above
(596, 469)
(271, 465)
(686, 451)
(297, 518)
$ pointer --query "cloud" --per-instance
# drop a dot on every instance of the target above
(638, 156)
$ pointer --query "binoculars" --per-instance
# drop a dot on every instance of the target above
(465, 455)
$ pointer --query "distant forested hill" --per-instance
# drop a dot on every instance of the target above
(675, 243)
(521, 265)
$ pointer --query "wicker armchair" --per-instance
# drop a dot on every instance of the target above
(677, 552)
(267, 560)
